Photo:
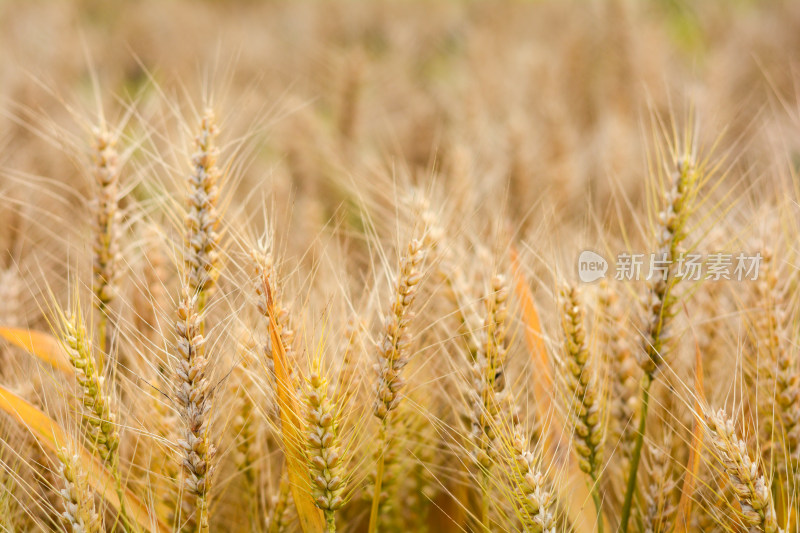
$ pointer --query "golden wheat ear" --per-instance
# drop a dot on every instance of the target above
(744, 474)
(106, 256)
(191, 364)
(290, 409)
(531, 487)
(323, 449)
(587, 409)
(680, 176)
(394, 353)
(488, 392)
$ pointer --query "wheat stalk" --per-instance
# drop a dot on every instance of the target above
(194, 401)
(671, 231)
(99, 419)
(393, 352)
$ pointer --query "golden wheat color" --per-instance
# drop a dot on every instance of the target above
(388, 266)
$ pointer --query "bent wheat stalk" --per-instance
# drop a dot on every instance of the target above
(53, 438)
(99, 420)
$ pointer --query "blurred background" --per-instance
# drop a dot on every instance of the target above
(546, 110)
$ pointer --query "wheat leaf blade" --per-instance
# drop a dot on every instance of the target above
(310, 517)
(39, 344)
(684, 512)
(575, 492)
(533, 327)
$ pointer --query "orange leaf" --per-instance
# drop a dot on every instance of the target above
(684, 512)
(41, 345)
(310, 516)
(574, 494)
(533, 327)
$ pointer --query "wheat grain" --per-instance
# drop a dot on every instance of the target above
(531, 485)
(747, 482)
(323, 447)
(79, 511)
(193, 394)
(393, 351)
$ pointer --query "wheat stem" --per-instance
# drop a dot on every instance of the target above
(671, 232)
(330, 521)
(376, 496)
(636, 455)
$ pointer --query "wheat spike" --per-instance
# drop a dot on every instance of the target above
(748, 483)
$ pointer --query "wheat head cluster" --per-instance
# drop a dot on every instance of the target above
(314, 266)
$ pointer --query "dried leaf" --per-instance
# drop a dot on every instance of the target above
(310, 516)
(574, 495)
(41, 345)
(684, 512)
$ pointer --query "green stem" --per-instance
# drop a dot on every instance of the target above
(126, 522)
(330, 521)
(647, 380)
(376, 496)
(202, 511)
(598, 504)
(485, 500)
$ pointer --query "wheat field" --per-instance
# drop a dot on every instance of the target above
(423, 266)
